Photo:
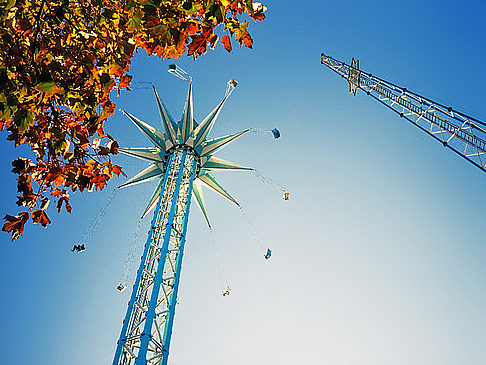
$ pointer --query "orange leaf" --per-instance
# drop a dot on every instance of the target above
(124, 81)
(117, 170)
(192, 28)
(56, 192)
(248, 40)
(100, 181)
(59, 180)
(39, 216)
(226, 43)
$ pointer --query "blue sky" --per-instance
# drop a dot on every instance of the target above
(378, 258)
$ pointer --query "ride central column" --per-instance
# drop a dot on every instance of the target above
(147, 327)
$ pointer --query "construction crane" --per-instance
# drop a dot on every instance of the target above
(457, 131)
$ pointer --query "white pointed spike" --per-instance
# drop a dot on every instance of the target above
(147, 174)
(214, 163)
(153, 134)
(145, 153)
(198, 194)
(154, 199)
(211, 182)
(187, 116)
(166, 118)
(211, 146)
(204, 128)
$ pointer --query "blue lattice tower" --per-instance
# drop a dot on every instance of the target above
(459, 132)
(182, 159)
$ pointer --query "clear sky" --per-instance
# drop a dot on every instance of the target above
(378, 257)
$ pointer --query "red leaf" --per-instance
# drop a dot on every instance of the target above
(15, 224)
(39, 216)
(64, 199)
(117, 170)
(227, 43)
(100, 181)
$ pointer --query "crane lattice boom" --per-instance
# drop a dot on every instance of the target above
(457, 131)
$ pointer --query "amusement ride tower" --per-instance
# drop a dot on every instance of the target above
(182, 159)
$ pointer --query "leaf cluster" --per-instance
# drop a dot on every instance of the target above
(59, 62)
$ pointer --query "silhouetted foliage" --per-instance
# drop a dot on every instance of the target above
(59, 61)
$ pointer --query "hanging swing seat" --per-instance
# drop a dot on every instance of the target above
(268, 254)
(78, 248)
(121, 288)
(227, 292)
(276, 133)
(286, 195)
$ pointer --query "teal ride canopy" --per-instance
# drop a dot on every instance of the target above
(185, 134)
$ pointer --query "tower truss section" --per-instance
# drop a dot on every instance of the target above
(182, 159)
(463, 134)
(147, 327)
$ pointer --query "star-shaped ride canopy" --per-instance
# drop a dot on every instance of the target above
(185, 132)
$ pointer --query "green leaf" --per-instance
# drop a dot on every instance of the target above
(135, 21)
(48, 87)
(23, 119)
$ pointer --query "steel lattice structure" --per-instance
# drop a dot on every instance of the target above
(457, 131)
(182, 159)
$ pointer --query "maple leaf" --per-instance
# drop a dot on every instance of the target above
(39, 216)
(23, 119)
(48, 88)
(117, 170)
(100, 181)
(20, 165)
(124, 81)
(198, 45)
(15, 224)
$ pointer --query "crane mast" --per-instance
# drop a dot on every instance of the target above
(457, 131)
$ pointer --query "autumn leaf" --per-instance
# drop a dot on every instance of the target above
(20, 165)
(48, 88)
(56, 192)
(124, 81)
(15, 224)
(23, 119)
(99, 181)
(39, 216)
(226, 43)
(65, 200)
(117, 170)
